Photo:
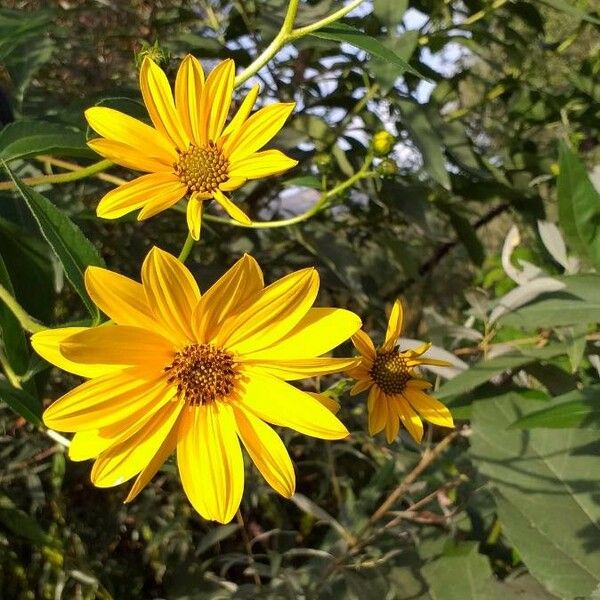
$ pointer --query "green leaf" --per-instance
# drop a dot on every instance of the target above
(578, 408)
(577, 303)
(467, 236)
(216, 535)
(21, 524)
(568, 7)
(578, 206)
(545, 486)
(387, 73)
(22, 403)
(414, 119)
(74, 251)
(390, 12)
(341, 32)
(23, 139)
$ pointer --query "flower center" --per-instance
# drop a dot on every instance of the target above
(202, 168)
(203, 374)
(390, 372)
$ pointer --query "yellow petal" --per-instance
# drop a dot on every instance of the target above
(194, 210)
(243, 280)
(210, 460)
(298, 368)
(321, 330)
(139, 192)
(161, 203)
(172, 292)
(327, 401)
(103, 401)
(378, 413)
(47, 344)
(267, 452)
(216, 100)
(125, 460)
(259, 129)
(429, 408)
(119, 127)
(88, 444)
(130, 157)
(392, 425)
(280, 403)
(156, 462)
(122, 299)
(159, 102)
(364, 344)
(394, 327)
(244, 110)
(118, 345)
(271, 314)
(262, 164)
(188, 91)
(410, 419)
(361, 386)
(420, 384)
(233, 183)
(230, 208)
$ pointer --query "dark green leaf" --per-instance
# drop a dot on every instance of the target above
(390, 12)
(341, 32)
(22, 403)
(73, 249)
(21, 524)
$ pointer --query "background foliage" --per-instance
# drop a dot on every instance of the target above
(483, 219)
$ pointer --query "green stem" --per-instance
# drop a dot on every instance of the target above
(61, 177)
(187, 248)
(27, 323)
(288, 34)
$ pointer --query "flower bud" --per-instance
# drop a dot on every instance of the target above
(387, 168)
(383, 142)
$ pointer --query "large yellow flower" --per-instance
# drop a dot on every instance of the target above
(178, 370)
(189, 151)
(397, 393)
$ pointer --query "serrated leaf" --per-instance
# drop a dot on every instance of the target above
(23, 139)
(341, 32)
(74, 251)
(578, 408)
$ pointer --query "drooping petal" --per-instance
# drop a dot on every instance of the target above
(377, 408)
(139, 192)
(267, 451)
(410, 419)
(122, 299)
(129, 156)
(262, 164)
(327, 401)
(321, 330)
(210, 460)
(429, 408)
(280, 403)
(172, 292)
(394, 327)
(392, 425)
(420, 384)
(216, 100)
(125, 460)
(156, 462)
(243, 111)
(47, 344)
(298, 368)
(361, 386)
(364, 344)
(243, 280)
(188, 91)
(160, 104)
(230, 208)
(258, 130)
(103, 401)
(271, 313)
(193, 212)
(118, 345)
(119, 127)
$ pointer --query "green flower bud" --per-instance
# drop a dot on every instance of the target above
(387, 168)
(323, 162)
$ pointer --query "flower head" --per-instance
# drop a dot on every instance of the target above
(175, 369)
(396, 392)
(189, 151)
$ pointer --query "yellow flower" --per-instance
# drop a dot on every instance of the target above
(189, 151)
(197, 373)
(396, 393)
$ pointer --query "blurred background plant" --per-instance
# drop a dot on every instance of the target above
(479, 207)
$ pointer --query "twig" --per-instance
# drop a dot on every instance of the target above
(248, 545)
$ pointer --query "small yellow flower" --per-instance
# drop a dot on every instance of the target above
(383, 142)
(175, 369)
(396, 394)
(189, 151)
